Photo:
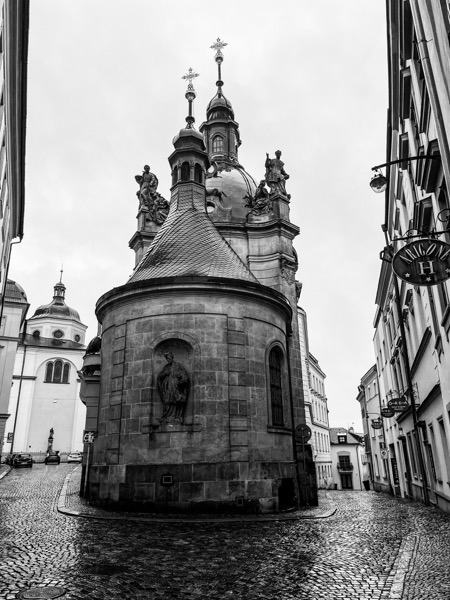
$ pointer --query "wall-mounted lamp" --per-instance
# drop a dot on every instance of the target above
(378, 183)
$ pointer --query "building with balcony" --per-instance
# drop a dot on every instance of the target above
(348, 459)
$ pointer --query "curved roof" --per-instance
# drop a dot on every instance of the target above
(14, 292)
(219, 100)
(57, 308)
(188, 244)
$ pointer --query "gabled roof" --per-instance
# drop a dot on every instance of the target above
(188, 244)
(352, 439)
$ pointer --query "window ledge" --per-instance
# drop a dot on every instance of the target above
(279, 429)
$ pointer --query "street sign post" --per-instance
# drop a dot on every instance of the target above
(88, 438)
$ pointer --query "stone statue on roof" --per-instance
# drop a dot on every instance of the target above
(276, 176)
(260, 203)
(157, 206)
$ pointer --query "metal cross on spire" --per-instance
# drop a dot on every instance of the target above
(190, 95)
(217, 46)
(218, 57)
(190, 75)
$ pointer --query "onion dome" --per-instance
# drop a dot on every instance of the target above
(57, 308)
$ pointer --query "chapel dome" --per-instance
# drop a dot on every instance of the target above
(232, 181)
(57, 308)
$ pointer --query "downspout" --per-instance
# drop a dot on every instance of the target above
(288, 335)
(20, 388)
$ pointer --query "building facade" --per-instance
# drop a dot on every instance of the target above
(316, 405)
(379, 461)
(46, 386)
(349, 469)
(201, 385)
(14, 19)
(15, 310)
(412, 322)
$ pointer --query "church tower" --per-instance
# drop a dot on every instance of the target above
(200, 393)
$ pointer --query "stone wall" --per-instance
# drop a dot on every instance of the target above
(225, 452)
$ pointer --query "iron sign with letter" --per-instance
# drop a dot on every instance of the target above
(423, 262)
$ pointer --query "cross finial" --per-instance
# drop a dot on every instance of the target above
(61, 271)
(190, 75)
(190, 95)
(217, 46)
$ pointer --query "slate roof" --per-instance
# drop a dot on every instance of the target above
(188, 244)
(14, 292)
(351, 438)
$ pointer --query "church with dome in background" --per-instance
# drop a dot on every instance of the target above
(46, 385)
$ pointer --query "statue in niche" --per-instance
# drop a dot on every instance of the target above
(173, 385)
(260, 203)
(276, 176)
(158, 207)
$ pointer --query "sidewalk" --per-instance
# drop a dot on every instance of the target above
(71, 504)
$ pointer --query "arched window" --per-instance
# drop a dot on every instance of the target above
(66, 370)
(57, 372)
(185, 171)
(217, 144)
(276, 389)
(174, 175)
(49, 372)
(197, 173)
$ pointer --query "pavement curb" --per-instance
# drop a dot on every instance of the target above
(63, 509)
(5, 473)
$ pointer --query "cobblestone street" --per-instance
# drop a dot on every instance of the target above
(372, 547)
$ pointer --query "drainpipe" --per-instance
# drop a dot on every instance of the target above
(20, 388)
(288, 335)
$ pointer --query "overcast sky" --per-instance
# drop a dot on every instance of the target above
(105, 97)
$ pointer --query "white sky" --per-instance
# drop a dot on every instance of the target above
(105, 97)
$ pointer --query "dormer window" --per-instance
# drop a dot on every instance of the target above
(342, 438)
(217, 144)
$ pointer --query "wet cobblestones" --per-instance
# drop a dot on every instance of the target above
(373, 547)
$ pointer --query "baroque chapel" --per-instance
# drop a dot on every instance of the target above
(196, 392)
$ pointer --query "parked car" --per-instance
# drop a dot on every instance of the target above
(52, 459)
(75, 457)
(22, 460)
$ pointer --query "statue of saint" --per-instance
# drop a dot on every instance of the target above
(148, 183)
(276, 175)
(158, 207)
(173, 386)
(260, 202)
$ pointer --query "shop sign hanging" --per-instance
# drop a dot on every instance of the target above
(423, 262)
(377, 423)
(398, 404)
(387, 412)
